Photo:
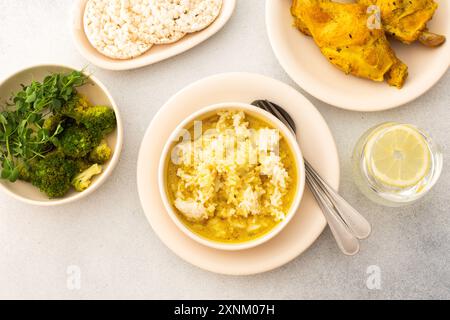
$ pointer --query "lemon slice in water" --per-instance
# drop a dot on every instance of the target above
(398, 156)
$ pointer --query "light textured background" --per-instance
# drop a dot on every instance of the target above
(108, 237)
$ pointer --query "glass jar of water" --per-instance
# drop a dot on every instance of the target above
(396, 164)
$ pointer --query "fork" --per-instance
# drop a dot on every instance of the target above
(347, 225)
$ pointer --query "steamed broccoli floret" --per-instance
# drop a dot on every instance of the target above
(99, 120)
(75, 142)
(25, 172)
(83, 180)
(53, 174)
(76, 108)
(101, 153)
(51, 123)
(82, 164)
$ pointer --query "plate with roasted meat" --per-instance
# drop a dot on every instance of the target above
(364, 55)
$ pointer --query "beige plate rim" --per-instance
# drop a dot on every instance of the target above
(316, 142)
(303, 62)
(156, 54)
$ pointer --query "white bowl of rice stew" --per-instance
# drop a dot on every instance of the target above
(231, 176)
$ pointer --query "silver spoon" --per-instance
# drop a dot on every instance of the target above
(346, 224)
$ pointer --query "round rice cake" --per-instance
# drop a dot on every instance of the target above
(159, 25)
(113, 29)
(196, 15)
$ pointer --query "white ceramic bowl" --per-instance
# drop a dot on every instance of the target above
(97, 94)
(258, 113)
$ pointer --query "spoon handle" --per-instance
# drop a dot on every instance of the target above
(348, 243)
(346, 224)
(357, 224)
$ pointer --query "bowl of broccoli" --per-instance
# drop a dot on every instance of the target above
(60, 134)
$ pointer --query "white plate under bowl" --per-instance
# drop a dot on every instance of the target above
(97, 93)
(156, 53)
(317, 145)
(303, 61)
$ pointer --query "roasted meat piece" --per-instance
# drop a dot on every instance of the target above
(341, 32)
(406, 20)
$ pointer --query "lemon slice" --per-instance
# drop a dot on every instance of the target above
(399, 156)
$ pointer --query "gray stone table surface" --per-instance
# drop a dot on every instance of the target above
(107, 235)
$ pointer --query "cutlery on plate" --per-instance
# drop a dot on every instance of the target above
(346, 223)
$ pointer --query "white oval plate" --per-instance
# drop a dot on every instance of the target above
(303, 61)
(316, 143)
(156, 53)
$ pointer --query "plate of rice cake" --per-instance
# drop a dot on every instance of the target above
(129, 34)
